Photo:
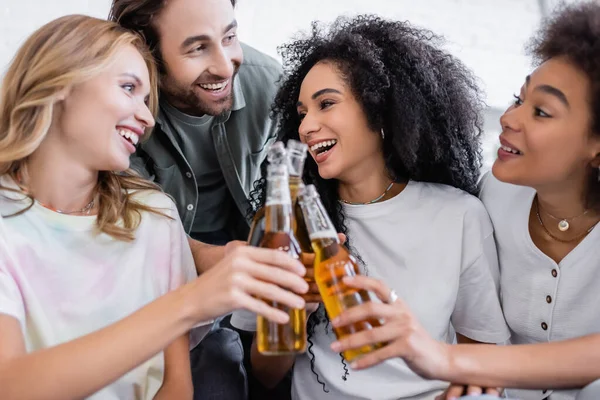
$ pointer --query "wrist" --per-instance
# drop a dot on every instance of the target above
(186, 307)
(456, 367)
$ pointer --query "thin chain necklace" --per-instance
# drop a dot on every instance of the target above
(85, 210)
(578, 237)
(563, 223)
(372, 201)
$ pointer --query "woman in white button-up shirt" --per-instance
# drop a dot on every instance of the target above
(543, 197)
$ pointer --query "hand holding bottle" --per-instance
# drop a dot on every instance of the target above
(404, 336)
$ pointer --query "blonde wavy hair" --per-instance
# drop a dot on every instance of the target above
(63, 53)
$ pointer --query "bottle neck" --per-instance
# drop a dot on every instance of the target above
(318, 223)
(294, 184)
(278, 210)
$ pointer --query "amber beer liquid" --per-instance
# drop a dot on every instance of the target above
(332, 264)
(273, 338)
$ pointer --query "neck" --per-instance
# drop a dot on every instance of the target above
(563, 201)
(364, 183)
(57, 180)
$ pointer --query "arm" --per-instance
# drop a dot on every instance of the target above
(207, 255)
(557, 365)
(564, 364)
(465, 340)
(79, 368)
(177, 382)
(269, 370)
(454, 391)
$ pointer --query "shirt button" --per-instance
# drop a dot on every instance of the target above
(188, 174)
(548, 299)
(554, 273)
(544, 326)
(190, 207)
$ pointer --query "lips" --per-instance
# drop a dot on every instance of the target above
(216, 86)
(509, 147)
(133, 137)
(323, 146)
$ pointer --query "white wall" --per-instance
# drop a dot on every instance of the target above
(488, 35)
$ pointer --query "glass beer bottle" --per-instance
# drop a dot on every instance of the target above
(276, 155)
(273, 338)
(332, 263)
(296, 155)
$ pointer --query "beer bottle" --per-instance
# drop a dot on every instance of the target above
(276, 155)
(332, 263)
(273, 338)
(296, 155)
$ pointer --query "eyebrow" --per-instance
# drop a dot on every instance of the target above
(551, 90)
(320, 93)
(136, 78)
(202, 38)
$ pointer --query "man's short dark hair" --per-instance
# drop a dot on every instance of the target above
(137, 15)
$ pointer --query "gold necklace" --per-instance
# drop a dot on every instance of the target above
(372, 201)
(85, 210)
(563, 223)
(578, 237)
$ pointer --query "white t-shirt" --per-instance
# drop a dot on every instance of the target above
(61, 281)
(433, 244)
(537, 292)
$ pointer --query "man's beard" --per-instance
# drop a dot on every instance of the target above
(187, 99)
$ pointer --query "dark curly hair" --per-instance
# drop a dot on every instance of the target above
(137, 15)
(425, 100)
(573, 32)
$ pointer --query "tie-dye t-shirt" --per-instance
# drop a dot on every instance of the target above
(61, 280)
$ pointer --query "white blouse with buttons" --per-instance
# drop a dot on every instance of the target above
(543, 301)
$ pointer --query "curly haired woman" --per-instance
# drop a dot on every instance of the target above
(393, 129)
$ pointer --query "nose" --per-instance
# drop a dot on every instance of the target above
(221, 63)
(308, 126)
(511, 119)
(144, 116)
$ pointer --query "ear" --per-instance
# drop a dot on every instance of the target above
(595, 163)
(594, 149)
(63, 94)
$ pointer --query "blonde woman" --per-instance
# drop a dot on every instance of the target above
(96, 276)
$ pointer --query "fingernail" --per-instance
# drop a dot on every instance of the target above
(354, 365)
(336, 346)
(300, 304)
(336, 321)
